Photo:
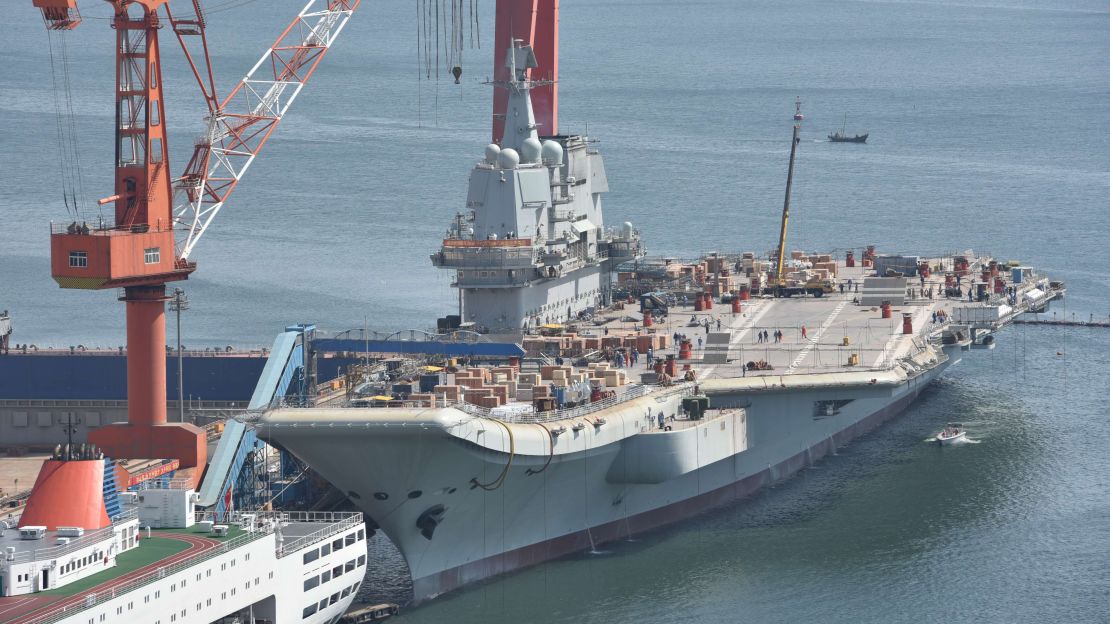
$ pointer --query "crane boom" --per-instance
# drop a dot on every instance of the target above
(780, 268)
(245, 119)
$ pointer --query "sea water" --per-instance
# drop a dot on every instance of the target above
(988, 124)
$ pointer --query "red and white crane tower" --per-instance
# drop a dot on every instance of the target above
(159, 218)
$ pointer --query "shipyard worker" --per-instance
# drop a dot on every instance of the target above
(660, 419)
(699, 342)
(842, 288)
(718, 324)
(805, 335)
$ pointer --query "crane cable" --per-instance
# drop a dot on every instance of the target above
(59, 126)
(78, 190)
(441, 34)
(73, 185)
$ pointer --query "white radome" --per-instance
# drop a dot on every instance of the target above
(552, 153)
(492, 150)
(508, 158)
(530, 150)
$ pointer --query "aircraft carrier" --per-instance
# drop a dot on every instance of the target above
(678, 387)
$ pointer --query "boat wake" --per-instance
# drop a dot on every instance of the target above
(960, 441)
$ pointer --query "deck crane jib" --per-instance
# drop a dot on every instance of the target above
(159, 219)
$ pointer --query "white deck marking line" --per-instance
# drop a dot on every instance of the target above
(896, 342)
(746, 324)
(815, 339)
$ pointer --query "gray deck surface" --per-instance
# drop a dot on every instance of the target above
(828, 320)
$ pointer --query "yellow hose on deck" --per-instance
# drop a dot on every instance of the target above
(496, 483)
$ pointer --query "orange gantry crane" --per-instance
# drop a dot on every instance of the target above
(158, 219)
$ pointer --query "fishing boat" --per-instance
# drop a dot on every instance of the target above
(840, 137)
(951, 433)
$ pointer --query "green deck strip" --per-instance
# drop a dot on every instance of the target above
(150, 550)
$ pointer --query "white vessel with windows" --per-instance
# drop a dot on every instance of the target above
(159, 562)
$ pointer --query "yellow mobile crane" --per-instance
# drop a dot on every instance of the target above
(780, 288)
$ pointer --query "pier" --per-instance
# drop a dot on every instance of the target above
(1072, 322)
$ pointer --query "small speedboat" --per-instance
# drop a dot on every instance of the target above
(951, 433)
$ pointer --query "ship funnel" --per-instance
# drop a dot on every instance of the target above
(67, 493)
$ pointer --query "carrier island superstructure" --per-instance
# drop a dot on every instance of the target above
(695, 388)
(532, 247)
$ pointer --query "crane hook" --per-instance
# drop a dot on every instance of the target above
(456, 71)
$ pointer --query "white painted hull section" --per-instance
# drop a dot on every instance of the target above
(398, 466)
(230, 581)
